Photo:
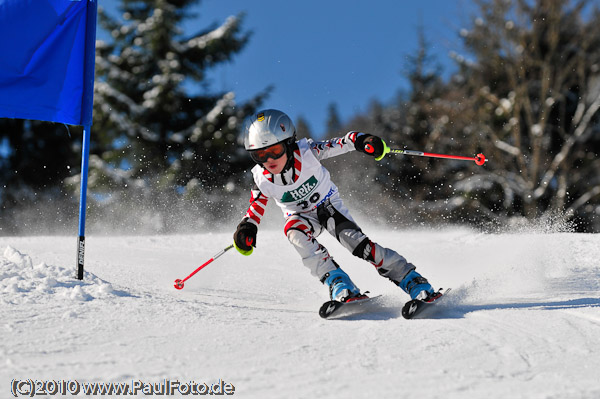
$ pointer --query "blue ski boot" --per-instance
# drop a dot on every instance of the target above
(416, 286)
(341, 288)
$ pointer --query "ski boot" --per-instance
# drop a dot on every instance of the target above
(341, 288)
(416, 286)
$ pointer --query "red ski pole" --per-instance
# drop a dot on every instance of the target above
(179, 283)
(479, 158)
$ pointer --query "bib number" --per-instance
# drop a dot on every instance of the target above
(311, 201)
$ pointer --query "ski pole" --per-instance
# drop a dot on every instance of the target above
(179, 282)
(479, 158)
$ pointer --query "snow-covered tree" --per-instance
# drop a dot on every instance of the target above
(159, 130)
(534, 80)
(527, 95)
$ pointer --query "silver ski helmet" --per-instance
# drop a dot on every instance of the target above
(268, 127)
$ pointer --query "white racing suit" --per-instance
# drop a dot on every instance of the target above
(311, 204)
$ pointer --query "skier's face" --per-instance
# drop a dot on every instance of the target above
(275, 166)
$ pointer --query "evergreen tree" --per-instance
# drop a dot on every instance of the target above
(302, 128)
(153, 138)
(418, 121)
(333, 121)
(424, 126)
(535, 87)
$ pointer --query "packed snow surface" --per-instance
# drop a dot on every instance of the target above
(522, 320)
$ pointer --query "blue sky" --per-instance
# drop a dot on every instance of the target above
(316, 53)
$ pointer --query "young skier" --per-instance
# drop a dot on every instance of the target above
(291, 173)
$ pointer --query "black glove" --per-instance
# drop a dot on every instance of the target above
(369, 144)
(245, 236)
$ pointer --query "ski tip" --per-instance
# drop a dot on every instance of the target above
(331, 308)
(328, 308)
(415, 306)
(410, 308)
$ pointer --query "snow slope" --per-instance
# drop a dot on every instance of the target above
(523, 320)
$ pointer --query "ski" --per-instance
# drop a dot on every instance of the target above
(415, 307)
(335, 309)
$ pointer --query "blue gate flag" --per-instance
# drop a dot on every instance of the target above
(47, 60)
(47, 54)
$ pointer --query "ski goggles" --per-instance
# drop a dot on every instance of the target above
(275, 151)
